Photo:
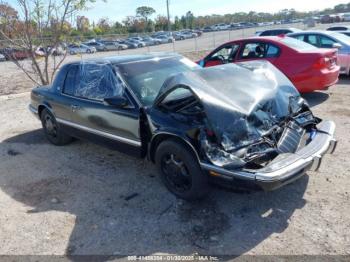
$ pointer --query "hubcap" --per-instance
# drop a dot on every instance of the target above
(176, 172)
(50, 126)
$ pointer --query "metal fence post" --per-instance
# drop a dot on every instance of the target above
(214, 39)
(195, 44)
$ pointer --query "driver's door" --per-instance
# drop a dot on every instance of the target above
(94, 119)
(223, 55)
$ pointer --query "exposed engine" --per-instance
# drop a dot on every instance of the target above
(284, 137)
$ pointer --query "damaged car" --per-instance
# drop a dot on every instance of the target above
(235, 124)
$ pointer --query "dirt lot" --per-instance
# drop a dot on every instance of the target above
(84, 199)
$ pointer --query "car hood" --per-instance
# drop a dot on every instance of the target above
(241, 101)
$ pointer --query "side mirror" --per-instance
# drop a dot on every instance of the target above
(337, 45)
(201, 63)
(117, 101)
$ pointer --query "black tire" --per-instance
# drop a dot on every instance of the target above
(89, 51)
(52, 130)
(180, 171)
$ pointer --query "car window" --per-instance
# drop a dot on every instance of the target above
(93, 81)
(299, 37)
(253, 50)
(228, 52)
(326, 42)
(297, 45)
(266, 33)
(71, 81)
(146, 78)
(312, 39)
(337, 28)
(272, 51)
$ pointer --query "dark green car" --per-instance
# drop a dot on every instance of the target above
(237, 124)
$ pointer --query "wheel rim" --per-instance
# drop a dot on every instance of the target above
(175, 172)
(50, 126)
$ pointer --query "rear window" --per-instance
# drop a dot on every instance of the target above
(297, 44)
(275, 32)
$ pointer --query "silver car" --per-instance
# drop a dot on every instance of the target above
(80, 49)
(329, 39)
(164, 39)
(112, 46)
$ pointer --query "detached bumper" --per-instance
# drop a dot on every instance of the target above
(286, 168)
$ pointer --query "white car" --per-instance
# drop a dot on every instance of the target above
(220, 27)
(346, 17)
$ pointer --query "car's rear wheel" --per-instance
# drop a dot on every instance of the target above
(180, 171)
(52, 130)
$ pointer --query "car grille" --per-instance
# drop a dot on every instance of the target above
(290, 138)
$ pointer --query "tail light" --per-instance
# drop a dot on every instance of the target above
(321, 63)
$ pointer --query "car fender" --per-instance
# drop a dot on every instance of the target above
(45, 105)
(164, 135)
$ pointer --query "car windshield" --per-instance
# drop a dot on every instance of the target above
(146, 77)
(297, 44)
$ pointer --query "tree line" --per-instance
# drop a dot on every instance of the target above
(144, 20)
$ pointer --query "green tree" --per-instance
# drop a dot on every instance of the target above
(145, 12)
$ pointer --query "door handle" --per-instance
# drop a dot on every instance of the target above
(74, 107)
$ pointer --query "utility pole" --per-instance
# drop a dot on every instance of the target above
(167, 7)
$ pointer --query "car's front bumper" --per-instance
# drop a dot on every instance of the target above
(33, 110)
(286, 167)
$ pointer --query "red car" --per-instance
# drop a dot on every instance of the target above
(308, 67)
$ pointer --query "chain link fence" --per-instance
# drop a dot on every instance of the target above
(207, 41)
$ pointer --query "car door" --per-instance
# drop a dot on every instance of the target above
(256, 50)
(94, 119)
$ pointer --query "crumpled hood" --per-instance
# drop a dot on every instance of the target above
(242, 100)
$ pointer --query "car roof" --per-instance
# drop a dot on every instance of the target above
(260, 38)
(127, 58)
(282, 28)
(315, 32)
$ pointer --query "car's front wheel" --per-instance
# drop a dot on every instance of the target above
(52, 130)
(180, 171)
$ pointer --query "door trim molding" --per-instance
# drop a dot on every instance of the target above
(100, 133)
